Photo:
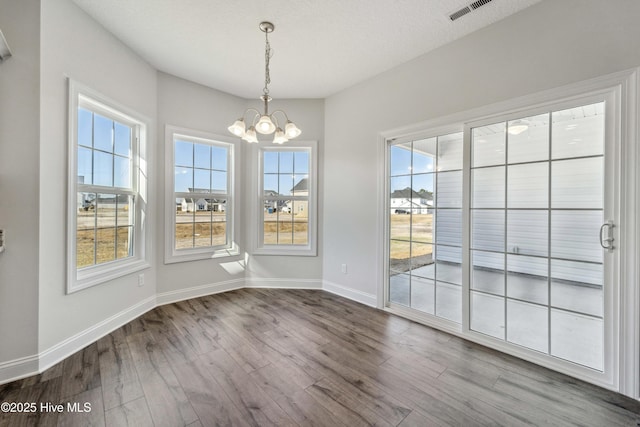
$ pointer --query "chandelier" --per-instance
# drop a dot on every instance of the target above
(265, 123)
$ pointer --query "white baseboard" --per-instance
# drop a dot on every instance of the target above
(198, 291)
(66, 348)
(18, 368)
(352, 294)
(255, 282)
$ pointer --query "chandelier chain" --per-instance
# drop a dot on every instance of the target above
(267, 57)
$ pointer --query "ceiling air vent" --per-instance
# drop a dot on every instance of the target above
(473, 6)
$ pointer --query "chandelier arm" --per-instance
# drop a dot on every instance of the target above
(267, 57)
(280, 111)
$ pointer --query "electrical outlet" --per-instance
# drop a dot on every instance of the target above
(141, 279)
(343, 268)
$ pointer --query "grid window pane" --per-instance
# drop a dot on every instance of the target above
(449, 189)
(487, 314)
(529, 139)
(487, 272)
(449, 226)
(577, 338)
(488, 145)
(102, 169)
(488, 230)
(202, 156)
(400, 159)
(528, 186)
(122, 145)
(575, 235)
(528, 232)
(527, 278)
(102, 133)
(183, 154)
(528, 325)
(85, 127)
(85, 167)
(424, 152)
(488, 187)
(121, 172)
(577, 183)
(578, 131)
(450, 152)
(423, 294)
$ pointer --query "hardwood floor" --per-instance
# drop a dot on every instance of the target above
(297, 357)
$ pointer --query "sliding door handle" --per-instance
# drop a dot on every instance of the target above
(606, 235)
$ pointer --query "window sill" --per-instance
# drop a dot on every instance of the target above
(201, 254)
(101, 274)
(285, 250)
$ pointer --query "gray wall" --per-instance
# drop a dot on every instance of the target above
(74, 45)
(553, 43)
(19, 143)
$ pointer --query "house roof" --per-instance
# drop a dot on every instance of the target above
(303, 185)
(408, 193)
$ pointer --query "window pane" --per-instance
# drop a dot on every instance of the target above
(300, 212)
(102, 169)
(286, 162)
(528, 186)
(527, 232)
(219, 226)
(450, 152)
(449, 190)
(527, 278)
(399, 225)
(219, 182)
(285, 228)
(449, 226)
(219, 157)
(122, 172)
(102, 133)
(488, 187)
(401, 159)
(201, 181)
(575, 235)
(85, 126)
(422, 195)
(399, 288)
(122, 140)
(201, 156)
(125, 210)
(85, 169)
(285, 184)
(578, 131)
(106, 210)
(421, 226)
(270, 161)
(270, 184)
(449, 301)
(183, 153)
(301, 185)
(423, 294)
(421, 258)
(528, 325)
(577, 286)
(125, 242)
(577, 183)
(301, 162)
(487, 272)
(202, 230)
(271, 222)
(487, 230)
(183, 179)
(184, 223)
(531, 143)
(488, 144)
(487, 314)
(577, 338)
(449, 264)
(399, 256)
(85, 247)
(106, 245)
(424, 154)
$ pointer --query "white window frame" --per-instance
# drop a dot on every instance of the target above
(85, 97)
(231, 248)
(258, 246)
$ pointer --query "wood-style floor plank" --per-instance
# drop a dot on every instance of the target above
(256, 357)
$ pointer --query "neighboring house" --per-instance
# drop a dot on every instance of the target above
(411, 201)
(272, 205)
(200, 204)
(300, 208)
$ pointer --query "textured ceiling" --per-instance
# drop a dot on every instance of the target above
(319, 46)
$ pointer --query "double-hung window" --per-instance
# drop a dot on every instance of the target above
(200, 195)
(287, 200)
(106, 187)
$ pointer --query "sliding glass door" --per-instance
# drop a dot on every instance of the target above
(504, 232)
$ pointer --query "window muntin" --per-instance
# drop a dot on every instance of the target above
(202, 189)
(105, 187)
